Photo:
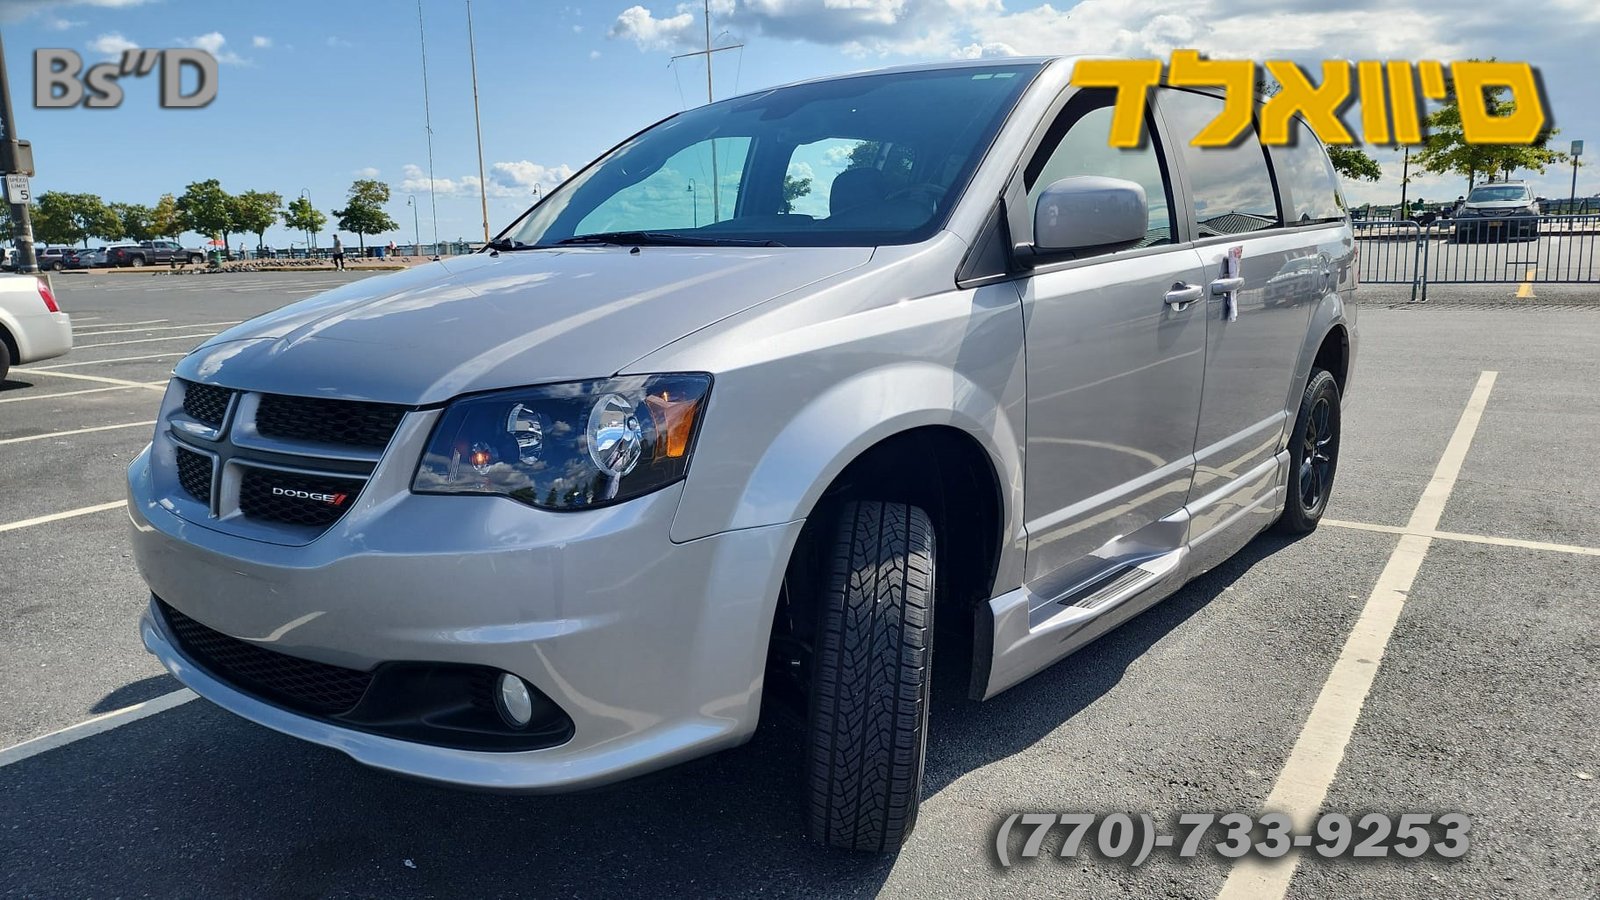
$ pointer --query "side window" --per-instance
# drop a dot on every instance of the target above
(1079, 144)
(679, 194)
(1231, 186)
(1307, 178)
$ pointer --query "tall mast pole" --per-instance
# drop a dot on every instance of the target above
(483, 189)
(427, 119)
(716, 182)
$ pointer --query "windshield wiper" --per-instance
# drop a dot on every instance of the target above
(508, 244)
(662, 239)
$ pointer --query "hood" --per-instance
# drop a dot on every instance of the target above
(1495, 206)
(482, 322)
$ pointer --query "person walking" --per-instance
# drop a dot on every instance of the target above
(338, 253)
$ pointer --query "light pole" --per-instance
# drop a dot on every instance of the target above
(483, 191)
(416, 229)
(305, 194)
(538, 193)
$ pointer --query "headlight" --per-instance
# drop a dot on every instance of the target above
(567, 446)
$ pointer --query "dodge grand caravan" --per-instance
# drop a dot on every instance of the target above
(760, 407)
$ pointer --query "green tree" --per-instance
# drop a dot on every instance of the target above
(136, 220)
(302, 216)
(794, 189)
(70, 218)
(205, 208)
(1353, 163)
(363, 213)
(255, 212)
(1446, 150)
(164, 219)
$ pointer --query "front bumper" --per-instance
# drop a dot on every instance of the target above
(655, 650)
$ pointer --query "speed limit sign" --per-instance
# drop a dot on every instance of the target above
(17, 188)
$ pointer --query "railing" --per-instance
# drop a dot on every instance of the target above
(1544, 249)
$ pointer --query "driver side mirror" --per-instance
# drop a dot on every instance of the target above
(1089, 212)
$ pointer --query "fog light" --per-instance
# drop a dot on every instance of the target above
(516, 704)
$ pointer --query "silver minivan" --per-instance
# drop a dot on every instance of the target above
(744, 416)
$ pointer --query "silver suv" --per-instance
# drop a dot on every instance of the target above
(751, 411)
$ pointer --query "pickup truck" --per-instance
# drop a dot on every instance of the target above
(147, 253)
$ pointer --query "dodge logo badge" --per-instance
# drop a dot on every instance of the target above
(330, 499)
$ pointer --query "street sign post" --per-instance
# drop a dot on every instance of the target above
(1572, 197)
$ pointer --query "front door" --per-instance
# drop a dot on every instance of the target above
(1114, 370)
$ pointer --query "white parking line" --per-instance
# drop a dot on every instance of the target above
(85, 333)
(1469, 538)
(170, 337)
(126, 324)
(56, 434)
(1312, 764)
(56, 517)
(152, 385)
(99, 390)
(96, 362)
(94, 726)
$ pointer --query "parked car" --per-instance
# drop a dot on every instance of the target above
(1498, 211)
(8, 258)
(148, 253)
(32, 325)
(93, 259)
(574, 507)
(52, 259)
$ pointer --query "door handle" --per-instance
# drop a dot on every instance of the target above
(1225, 285)
(1181, 296)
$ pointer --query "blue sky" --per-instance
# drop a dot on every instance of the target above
(315, 94)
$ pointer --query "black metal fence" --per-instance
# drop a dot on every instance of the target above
(1514, 250)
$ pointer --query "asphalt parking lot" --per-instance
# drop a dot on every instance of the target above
(1466, 510)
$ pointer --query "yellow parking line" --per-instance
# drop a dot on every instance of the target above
(1525, 289)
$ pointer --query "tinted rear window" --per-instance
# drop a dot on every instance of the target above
(1230, 187)
(1307, 178)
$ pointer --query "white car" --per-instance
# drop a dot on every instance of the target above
(32, 325)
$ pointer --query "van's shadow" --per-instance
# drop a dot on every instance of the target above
(293, 819)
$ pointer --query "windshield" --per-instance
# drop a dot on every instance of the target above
(862, 161)
(1498, 192)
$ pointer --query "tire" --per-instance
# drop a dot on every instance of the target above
(1313, 455)
(5, 361)
(136, 261)
(869, 693)
(196, 259)
(57, 266)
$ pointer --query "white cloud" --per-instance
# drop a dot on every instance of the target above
(337, 42)
(641, 26)
(112, 44)
(59, 24)
(19, 10)
(506, 180)
(594, 54)
(260, 42)
(212, 42)
(368, 172)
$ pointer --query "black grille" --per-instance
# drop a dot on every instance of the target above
(297, 683)
(258, 499)
(347, 422)
(194, 473)
(206, 403)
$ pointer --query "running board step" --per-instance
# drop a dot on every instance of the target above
(1114, 584)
